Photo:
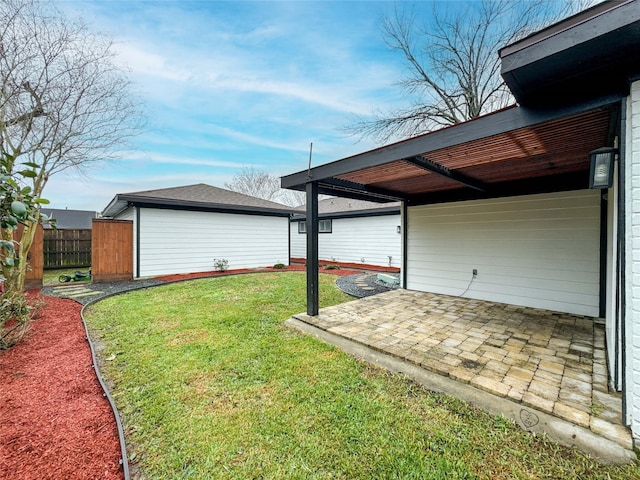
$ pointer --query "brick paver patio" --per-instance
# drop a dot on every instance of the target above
(549, 361)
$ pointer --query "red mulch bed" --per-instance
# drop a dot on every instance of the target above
(56, 423)
(356, 266)
(291, 268)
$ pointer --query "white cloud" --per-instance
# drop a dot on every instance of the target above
(155, 157)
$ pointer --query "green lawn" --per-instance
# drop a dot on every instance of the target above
(211, 384)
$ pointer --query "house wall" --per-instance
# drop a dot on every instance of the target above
(540, 251)
(370, 240)
(173, 241)
(632, 272)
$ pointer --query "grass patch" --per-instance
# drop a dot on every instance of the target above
(210, 384)
(50, 276)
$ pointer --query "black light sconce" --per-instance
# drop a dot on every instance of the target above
(601, 174)
(398, 229)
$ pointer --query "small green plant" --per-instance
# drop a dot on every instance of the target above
(220, 264)
(596, 409)
(280, 265)
(16, 313)
(332, 267)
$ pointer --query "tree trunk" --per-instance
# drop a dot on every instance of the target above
(15, 276)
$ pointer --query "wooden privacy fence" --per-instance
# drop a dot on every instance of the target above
(112, 250)
(33, 278)
(67, 248)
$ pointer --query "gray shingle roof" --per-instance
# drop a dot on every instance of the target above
(198, 195)
(70, 219)
(339, 206)
(344, 205)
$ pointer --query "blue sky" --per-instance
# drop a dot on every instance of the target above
(234, 84)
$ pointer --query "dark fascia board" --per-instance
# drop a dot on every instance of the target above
(168, 204)
(605, 18)
(595, 55)
(502, 121)
(562, 26)
(374, 212)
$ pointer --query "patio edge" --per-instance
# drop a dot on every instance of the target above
(531, 420)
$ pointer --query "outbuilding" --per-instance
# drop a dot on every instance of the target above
(196, 228)
(352, 231)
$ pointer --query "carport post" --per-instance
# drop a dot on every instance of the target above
(312, 249)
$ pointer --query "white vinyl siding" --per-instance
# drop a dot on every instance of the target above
(177, 241)
(370, 240)
(539, 251)
(632, 274)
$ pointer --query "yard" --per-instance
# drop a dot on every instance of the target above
(211, 384)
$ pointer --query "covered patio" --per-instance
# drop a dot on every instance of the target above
(544, 362)
(506, 209)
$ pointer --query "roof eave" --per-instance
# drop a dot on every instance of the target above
(164, 203)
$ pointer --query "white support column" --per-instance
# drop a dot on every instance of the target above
(632, 273)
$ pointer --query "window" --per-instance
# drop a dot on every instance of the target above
(324, 226)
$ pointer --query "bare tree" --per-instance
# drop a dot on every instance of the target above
(260, 184)
(64, 102)
(453, 67)
(256, 183)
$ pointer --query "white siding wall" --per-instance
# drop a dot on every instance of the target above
(373, 239)
(173, 241)
(130, 214)
(632, 313)
(538, 250)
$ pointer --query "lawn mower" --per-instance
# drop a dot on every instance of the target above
(78, 276)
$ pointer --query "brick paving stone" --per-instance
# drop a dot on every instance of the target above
(538, 403)
(572, 414)
(553, 367)
(462, 374)
(490, 385)
(545, 390)
(516, 394)
(451, 360)
(577, 375)
(576, 391)
(521, 374)
(497, 367)
(544, 376)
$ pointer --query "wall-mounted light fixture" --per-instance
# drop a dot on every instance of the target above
(601, 174)
(398, 229)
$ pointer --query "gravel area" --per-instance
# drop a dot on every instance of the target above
(82, 292)
(364, 284)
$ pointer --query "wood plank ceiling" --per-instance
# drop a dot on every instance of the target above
(557, 147)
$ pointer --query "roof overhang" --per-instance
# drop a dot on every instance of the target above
(593, 53)
(122, 202)
(514, 151)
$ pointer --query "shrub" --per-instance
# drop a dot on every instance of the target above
(16, 313)
(220, 264)
(279, 265)
(332, 267)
